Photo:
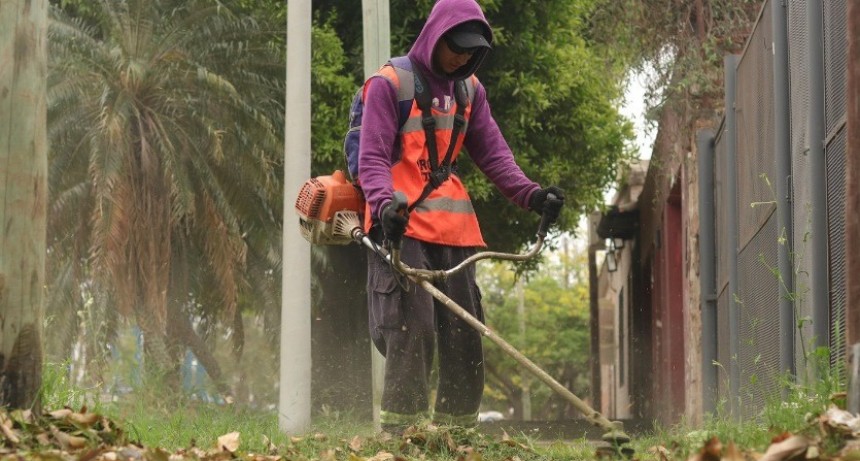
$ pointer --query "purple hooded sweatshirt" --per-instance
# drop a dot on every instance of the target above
(484, 141)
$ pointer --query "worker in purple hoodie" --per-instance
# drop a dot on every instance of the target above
(440, 228)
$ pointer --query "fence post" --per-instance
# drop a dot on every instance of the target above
(707, 268)
(730, 138)
(782, 157)
(819, 289)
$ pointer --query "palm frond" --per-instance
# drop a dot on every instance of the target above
(166, 126)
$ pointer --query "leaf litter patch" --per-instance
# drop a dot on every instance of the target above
(80, 435)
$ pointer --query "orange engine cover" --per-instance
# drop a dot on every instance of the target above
(323, 196)
(329, 208)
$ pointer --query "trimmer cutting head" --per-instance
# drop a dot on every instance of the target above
(616, 442)
(329, 209)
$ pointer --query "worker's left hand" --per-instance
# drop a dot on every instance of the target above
(394, 221)
(547, 201)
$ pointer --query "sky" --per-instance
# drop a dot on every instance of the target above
(634, 109)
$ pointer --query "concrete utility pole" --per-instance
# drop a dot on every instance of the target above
(852, 204)
(377, 50)
(23, 197)
(294, 406)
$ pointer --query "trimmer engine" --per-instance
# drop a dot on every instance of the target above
(329, 209)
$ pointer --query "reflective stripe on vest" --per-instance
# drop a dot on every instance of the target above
(446, 216)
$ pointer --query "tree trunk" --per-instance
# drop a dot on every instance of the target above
(852, 202)
(852, 199)
(180, 327)
(513, 392)
(23, 197)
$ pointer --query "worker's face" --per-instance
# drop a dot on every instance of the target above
(449, 60)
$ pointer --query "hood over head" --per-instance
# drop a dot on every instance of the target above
(446, 15)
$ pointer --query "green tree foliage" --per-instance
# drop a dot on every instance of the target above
(554, 95)
(551, 328)
(166, 128)
(681, 42)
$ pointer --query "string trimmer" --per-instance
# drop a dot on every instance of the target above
(329, 208)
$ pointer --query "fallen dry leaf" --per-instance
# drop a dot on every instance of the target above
(732, 453)
(710, 451)
(851, 451)
(92, 454)
(130, 453)
(157, 454)
(355, 444)
(68, 441)
(381, 456)
(84, 419)
(61, 413)
(271, 448)
(229, 442)
(328, 455)
(449, 441)
(842, 421)
(22, 416)
(7, 430)
(780, 437)
(661, 452)
(465, 449)
(197, 452)
(43, 439)
(787, 449)
(384, 437)
(507, 440)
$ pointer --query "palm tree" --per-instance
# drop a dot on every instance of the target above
(166, 127)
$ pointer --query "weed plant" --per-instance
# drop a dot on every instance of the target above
(794, 412)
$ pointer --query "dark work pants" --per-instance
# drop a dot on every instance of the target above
(406, 322)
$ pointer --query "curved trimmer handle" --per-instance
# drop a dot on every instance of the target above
(433, 275)
(545, 222)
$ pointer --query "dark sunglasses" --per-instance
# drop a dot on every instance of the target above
(459, 49)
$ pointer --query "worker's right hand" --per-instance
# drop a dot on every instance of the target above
(547, 201)
(394, 221)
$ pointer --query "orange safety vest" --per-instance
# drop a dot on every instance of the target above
(446, 216)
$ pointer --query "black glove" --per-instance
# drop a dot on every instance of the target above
(394, 221)
(542, 204)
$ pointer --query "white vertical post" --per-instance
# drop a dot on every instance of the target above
(294, 407)
(377, 34)
(377, 50)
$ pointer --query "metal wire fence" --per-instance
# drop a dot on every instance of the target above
(753, 262)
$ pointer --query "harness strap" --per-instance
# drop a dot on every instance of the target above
(439, 173)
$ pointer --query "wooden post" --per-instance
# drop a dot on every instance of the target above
(23, 197)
